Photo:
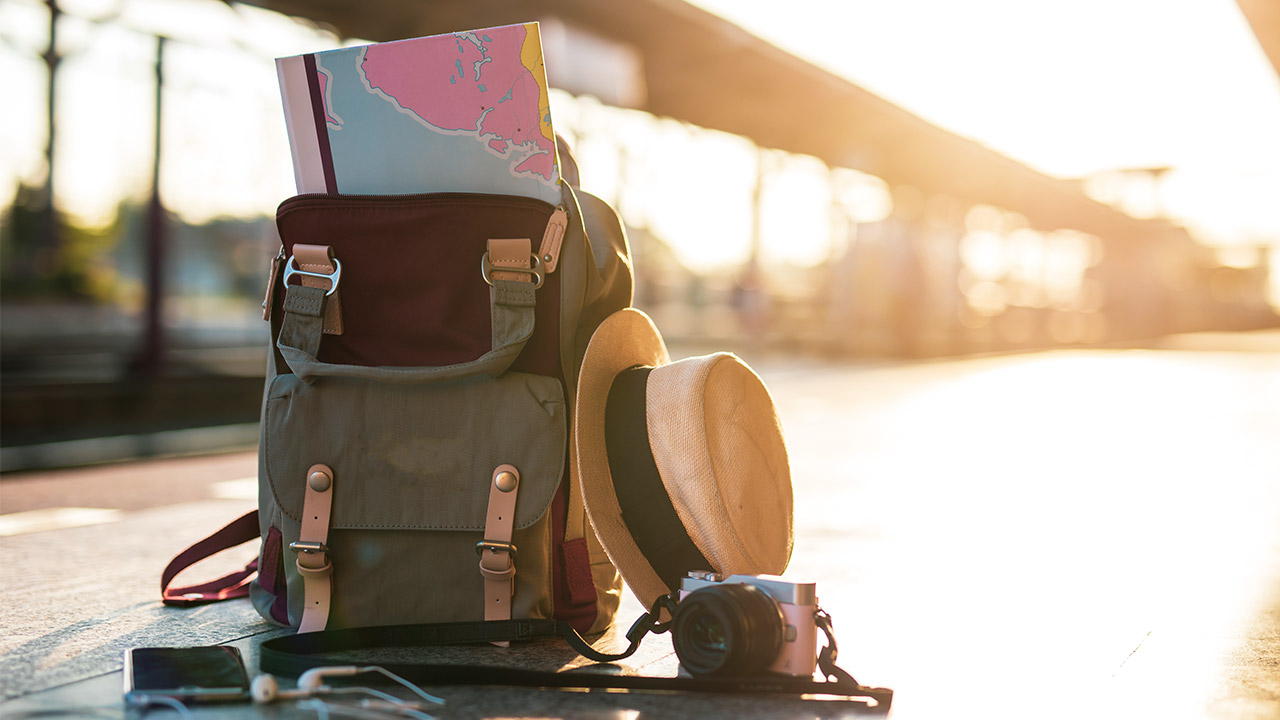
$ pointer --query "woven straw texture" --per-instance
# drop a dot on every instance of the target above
(719, 448)
(716, 441)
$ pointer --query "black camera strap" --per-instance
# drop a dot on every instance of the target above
(293, 654)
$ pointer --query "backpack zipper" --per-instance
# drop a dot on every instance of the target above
(548, 251)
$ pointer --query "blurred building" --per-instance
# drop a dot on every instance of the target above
(903, 239)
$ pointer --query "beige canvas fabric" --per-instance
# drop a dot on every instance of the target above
(717, 444)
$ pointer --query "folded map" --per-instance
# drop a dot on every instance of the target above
(462, 112)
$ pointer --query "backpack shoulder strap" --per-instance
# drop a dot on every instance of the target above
(235, 585)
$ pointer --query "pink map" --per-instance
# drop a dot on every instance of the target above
(477, 84)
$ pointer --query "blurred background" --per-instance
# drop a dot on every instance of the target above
(847, 181)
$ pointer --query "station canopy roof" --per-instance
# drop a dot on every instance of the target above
(702, 69)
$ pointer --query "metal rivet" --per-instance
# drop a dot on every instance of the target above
(547, 258)
(319, 481)
(505, 481)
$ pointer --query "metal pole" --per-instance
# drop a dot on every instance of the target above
(151, 357)
(751, 284)
(48, 209)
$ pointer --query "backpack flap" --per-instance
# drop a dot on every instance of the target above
(412, 469)
(413, 279)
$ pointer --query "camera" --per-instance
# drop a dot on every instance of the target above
(745, 625)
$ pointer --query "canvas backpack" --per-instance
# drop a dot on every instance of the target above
(414, 456)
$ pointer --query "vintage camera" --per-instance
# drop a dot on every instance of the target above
(745, 625)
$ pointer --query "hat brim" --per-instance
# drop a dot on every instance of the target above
(626, 339)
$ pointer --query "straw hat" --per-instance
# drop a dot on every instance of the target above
(682, 464)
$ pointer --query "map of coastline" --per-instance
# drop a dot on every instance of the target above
(461, 112)
(482, 83)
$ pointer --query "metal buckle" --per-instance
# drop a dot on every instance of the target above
(309, 548)
(333, 278)
(495, 545)
(535, 269)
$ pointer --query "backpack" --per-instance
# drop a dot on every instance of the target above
(414, 455)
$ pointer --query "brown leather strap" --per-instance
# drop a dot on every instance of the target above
(273, 279)
(552, 238)
(510, 252)
(319, 259)
(497, 554)
(575, 525)
(313, 554)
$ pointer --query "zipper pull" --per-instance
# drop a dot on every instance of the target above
(549, 251)
(272, 278)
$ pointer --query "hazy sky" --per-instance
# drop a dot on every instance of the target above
(1068, 88)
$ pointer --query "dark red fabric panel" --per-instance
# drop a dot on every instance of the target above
(568, 576)
(412, 292)
(577, 565)
(271, 575)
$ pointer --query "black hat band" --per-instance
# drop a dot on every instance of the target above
(646, 507)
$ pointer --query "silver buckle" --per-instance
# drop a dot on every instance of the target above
(309, 548)
(333, 278)
(495, 546)
(535, 269)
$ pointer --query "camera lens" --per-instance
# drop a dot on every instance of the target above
(707, 636)
(727, 630)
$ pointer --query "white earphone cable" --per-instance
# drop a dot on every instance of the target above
(385, 710)
(311, 685)
(145, 702)
(417, 690)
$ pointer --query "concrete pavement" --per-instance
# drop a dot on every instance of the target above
(1084, 533)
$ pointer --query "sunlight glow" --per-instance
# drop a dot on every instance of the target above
(1098, 86)
(1078, 93)
(1110, 514)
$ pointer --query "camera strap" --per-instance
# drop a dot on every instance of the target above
(294, 654)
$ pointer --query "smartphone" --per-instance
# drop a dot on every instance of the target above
(192, 674)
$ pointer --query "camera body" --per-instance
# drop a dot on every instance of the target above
(746, 625)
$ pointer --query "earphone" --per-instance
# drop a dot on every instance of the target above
(266, 688)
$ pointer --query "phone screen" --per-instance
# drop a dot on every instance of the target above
(195, 673)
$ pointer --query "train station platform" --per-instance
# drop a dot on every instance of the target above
(1076, 533)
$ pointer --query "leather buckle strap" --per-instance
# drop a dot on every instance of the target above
(309, 547)
(313, 563)
(553, 237)
(498, 575)
(535, 270)
(497, 554)
(316, 266)
(495, 545)
(322, 570)
(332, 278)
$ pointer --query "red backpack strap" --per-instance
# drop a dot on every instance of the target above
(236, 585)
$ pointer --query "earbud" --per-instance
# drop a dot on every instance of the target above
(266, 688)
(311, 679)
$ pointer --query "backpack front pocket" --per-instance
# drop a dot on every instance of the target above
(412, 468)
